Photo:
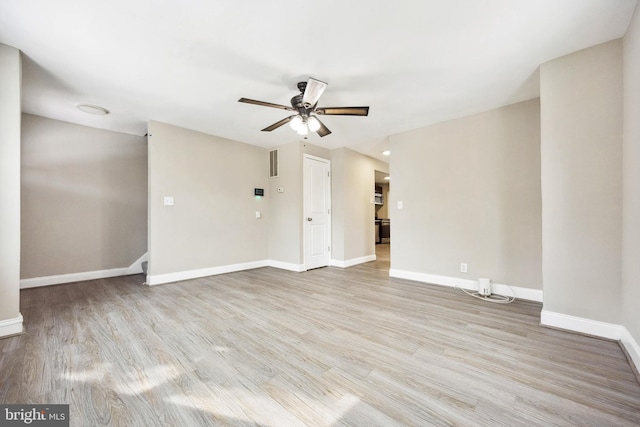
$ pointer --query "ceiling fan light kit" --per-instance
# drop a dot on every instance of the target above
(313, 123)
(296, 123)
(299, 125)
(303, 125)
(304, 104)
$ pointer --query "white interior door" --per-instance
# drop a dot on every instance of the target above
(317, 212)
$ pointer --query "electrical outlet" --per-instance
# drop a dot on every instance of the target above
(463, 267)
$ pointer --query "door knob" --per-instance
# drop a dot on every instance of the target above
(309, 218)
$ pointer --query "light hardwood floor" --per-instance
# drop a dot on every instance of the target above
(330, 346)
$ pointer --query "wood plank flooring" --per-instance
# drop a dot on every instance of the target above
(328, 347)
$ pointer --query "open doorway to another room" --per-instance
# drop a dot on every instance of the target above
(382, 221)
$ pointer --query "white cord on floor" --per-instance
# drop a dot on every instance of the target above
(498, 299)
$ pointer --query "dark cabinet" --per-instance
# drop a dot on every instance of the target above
(383, 230)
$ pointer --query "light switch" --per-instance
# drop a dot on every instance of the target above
(400, 206)
(168, 201)
(258, 214)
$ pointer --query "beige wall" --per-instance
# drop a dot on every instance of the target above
(10, 87)
(631, 179)
(581, 150)
(470, 190)
(338, 195)
(352, 218)
(84, 198)
(213, 221)
(285, 209)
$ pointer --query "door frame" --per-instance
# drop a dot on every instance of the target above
(304, 206)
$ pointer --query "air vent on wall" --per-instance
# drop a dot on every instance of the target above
(273, 163)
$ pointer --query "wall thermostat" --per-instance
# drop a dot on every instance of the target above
(258, 192)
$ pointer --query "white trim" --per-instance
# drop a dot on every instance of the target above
(286, 266)
(472, 285)
(36, 282)
(10, 327)
(631, 346)
(595, 328)
(136, 266)
(518, 292)
(434, 279)
(72, 277)
(159, 279)
(353, 261)
(581, 324)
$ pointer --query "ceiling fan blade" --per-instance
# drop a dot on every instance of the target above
(265, 104)
(343, 111)
(278, 124)
(323, 130)
(312, 93)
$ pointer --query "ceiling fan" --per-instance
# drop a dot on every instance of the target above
(305, 106)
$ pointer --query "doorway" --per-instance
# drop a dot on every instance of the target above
(381, 214)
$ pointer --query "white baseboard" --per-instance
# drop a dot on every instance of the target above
(159, 279)
(518, 292)
(72, 277)
(632, 347)
(595, 328)
(472, 285)
(35, 282)
(193, 274)
(353, 261)
(10, 327)
(286, 266)
(136, 266)
(581, 324)
(434, 279)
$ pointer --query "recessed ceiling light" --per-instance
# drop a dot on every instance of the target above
(387, 178)
(92, 109)
(386, 152)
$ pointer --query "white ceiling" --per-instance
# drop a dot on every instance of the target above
(414, 62)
